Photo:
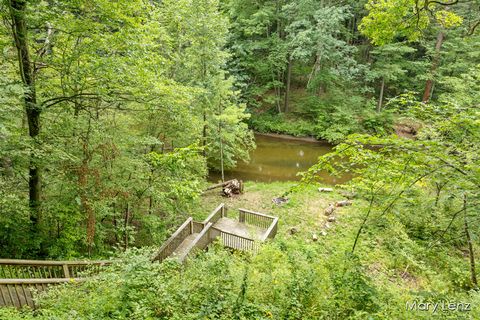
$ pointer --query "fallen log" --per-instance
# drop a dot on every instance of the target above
(232, 187)
(329, 210)
(218, 185)
(343, 203)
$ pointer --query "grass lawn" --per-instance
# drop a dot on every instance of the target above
(304, 211)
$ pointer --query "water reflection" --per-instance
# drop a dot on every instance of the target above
(279, 159)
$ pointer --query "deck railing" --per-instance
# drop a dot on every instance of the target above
(203, 239)
(40, 269)
(175, 240)
(218, 213)
(255, 218)
(237, 242)
(271, 231)
(21, 277)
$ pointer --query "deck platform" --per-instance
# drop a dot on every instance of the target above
(241, 229)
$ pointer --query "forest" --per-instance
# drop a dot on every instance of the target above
(359, 119)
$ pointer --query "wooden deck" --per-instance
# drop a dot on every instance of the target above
(238, 228)
(244, 233)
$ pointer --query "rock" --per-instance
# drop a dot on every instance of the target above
(279, 200)
(331, 219)
(343, 203)
(293, 230)
(323, 233)
(325, 189)
(327, 226)
(314, 237)
(329, 210)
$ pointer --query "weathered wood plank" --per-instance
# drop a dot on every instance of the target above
(51, 263)
(217, 213)
(174, 241)
(39, 281)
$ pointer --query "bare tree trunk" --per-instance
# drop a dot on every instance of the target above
(278, 92)
(380, 99)
(204, 134)
(315, 69)
(19, 32)
(473, 272)
(125, 226)
(221, 150)
(287, 85)
(433, 68)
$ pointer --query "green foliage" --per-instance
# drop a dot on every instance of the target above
(391, 19)
(275, 123)
(124, 89)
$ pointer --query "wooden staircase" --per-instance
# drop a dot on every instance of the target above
(244, 233)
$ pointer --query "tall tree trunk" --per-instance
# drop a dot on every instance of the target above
(316, 67)
(204, 134)
(473, 272)
(125, 226)
(19, 32)
(287, 85)
(83, 190)
(380, 99)
(433, 68)
(83, 172)
(221, 151)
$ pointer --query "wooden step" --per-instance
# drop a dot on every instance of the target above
(184, 245)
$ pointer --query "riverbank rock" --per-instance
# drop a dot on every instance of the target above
(329, 210)
(325, 189)
(293, 231)
(331, 219)
(280, 200)
(314, 237)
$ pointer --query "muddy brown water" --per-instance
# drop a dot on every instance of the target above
(280, 158)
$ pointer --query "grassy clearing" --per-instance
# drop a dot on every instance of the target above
(304, 211)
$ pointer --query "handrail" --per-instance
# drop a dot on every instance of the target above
(39, 281)
(212, 215)
(272, 230)
(232, 234)
(20, 262)
(160, 253)
(255, 218)
(237, 242)
(194, 242)
(31, 269)
(257, 213)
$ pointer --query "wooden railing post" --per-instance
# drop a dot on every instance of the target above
(241, 216)
(66, 272)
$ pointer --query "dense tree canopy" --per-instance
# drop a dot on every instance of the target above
(123, 104)
(115, 115)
